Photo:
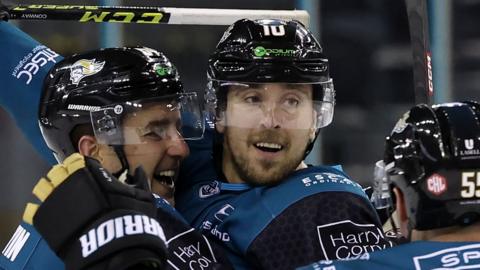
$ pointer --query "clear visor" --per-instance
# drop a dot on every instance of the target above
(175, 117)
(271, 105)
(381, 194)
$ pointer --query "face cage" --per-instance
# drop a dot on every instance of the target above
(323, 107)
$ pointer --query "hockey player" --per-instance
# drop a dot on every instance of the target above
(318, 211)
(432, 163)
(121, 106)
(270, 92)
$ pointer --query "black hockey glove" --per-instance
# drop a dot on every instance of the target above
(93, 221)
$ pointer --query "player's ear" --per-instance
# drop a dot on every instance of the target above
(88, 146)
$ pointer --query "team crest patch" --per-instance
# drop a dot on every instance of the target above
(211, 189)
(84, 68)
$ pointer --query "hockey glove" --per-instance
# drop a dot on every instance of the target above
(93, 221)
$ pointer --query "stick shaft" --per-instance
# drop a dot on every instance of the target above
(422, 60)
(148, 15)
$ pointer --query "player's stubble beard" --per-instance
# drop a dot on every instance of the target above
(262, 172)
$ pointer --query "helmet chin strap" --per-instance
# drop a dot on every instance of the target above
(137, 179)
(121, 174)
(311, 143)
(218, 154)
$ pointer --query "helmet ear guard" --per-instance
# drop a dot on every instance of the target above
(427, 159)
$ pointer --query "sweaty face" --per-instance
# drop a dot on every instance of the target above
(267, 128)
(153, 141)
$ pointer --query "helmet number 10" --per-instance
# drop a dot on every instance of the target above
(274, 30)
(470, 185)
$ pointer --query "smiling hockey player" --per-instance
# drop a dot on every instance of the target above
(270, 93)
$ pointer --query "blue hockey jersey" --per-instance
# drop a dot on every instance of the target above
(317, 213)
(25, 64)
(28, 250)
(419, 255)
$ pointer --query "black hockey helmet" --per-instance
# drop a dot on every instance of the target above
(96, 88)
(248, 49)
(433, 156)
(270, 51)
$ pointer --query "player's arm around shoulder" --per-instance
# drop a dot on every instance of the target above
(93, 221)
(25, 63)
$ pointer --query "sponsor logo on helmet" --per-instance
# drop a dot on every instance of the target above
(83, 107)
(118, 109)
(469, 144)
(437, 184)
(163, 71)
(470, 149)
(84, 68)
(209, 190)
(260, 51)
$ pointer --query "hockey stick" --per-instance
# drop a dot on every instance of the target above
(148, 15)
(422, 60)
(422, 70)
